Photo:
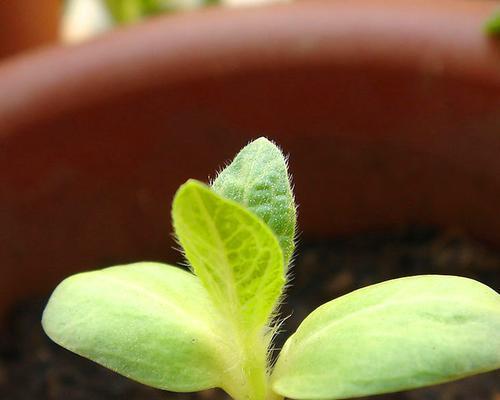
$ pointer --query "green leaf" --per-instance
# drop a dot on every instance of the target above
(400, 334)
(492, 25)
(258, 179)
(150, 322)
(234, 253)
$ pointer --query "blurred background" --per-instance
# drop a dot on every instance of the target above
(30, 23)
(389, 111)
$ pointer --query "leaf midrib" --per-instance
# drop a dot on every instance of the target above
(221, 249)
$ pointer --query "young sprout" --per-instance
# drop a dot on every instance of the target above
(213, 327)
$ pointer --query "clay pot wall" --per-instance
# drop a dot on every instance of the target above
(389, 111)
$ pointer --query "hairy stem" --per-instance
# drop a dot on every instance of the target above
(248, 379)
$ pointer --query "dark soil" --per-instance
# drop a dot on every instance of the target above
(32, 367)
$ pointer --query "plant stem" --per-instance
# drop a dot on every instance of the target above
(273, 396)
(248, 380)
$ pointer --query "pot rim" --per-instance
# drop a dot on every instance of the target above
(438, 38)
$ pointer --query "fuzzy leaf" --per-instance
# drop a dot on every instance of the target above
(258, 179)
(150, 322)
(400, 334)
(232, 251)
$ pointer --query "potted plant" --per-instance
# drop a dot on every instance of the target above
(390, 110)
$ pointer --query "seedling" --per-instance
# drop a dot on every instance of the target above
(213, 327)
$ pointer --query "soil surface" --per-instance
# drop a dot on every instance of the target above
(32, 367)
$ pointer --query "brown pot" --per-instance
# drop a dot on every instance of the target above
(389, 109)
(25, 24)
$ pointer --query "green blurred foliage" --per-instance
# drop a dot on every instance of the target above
(492, 25)
(127, 11)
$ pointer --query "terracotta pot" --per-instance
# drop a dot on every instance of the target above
(26, 24)
(390, 111)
